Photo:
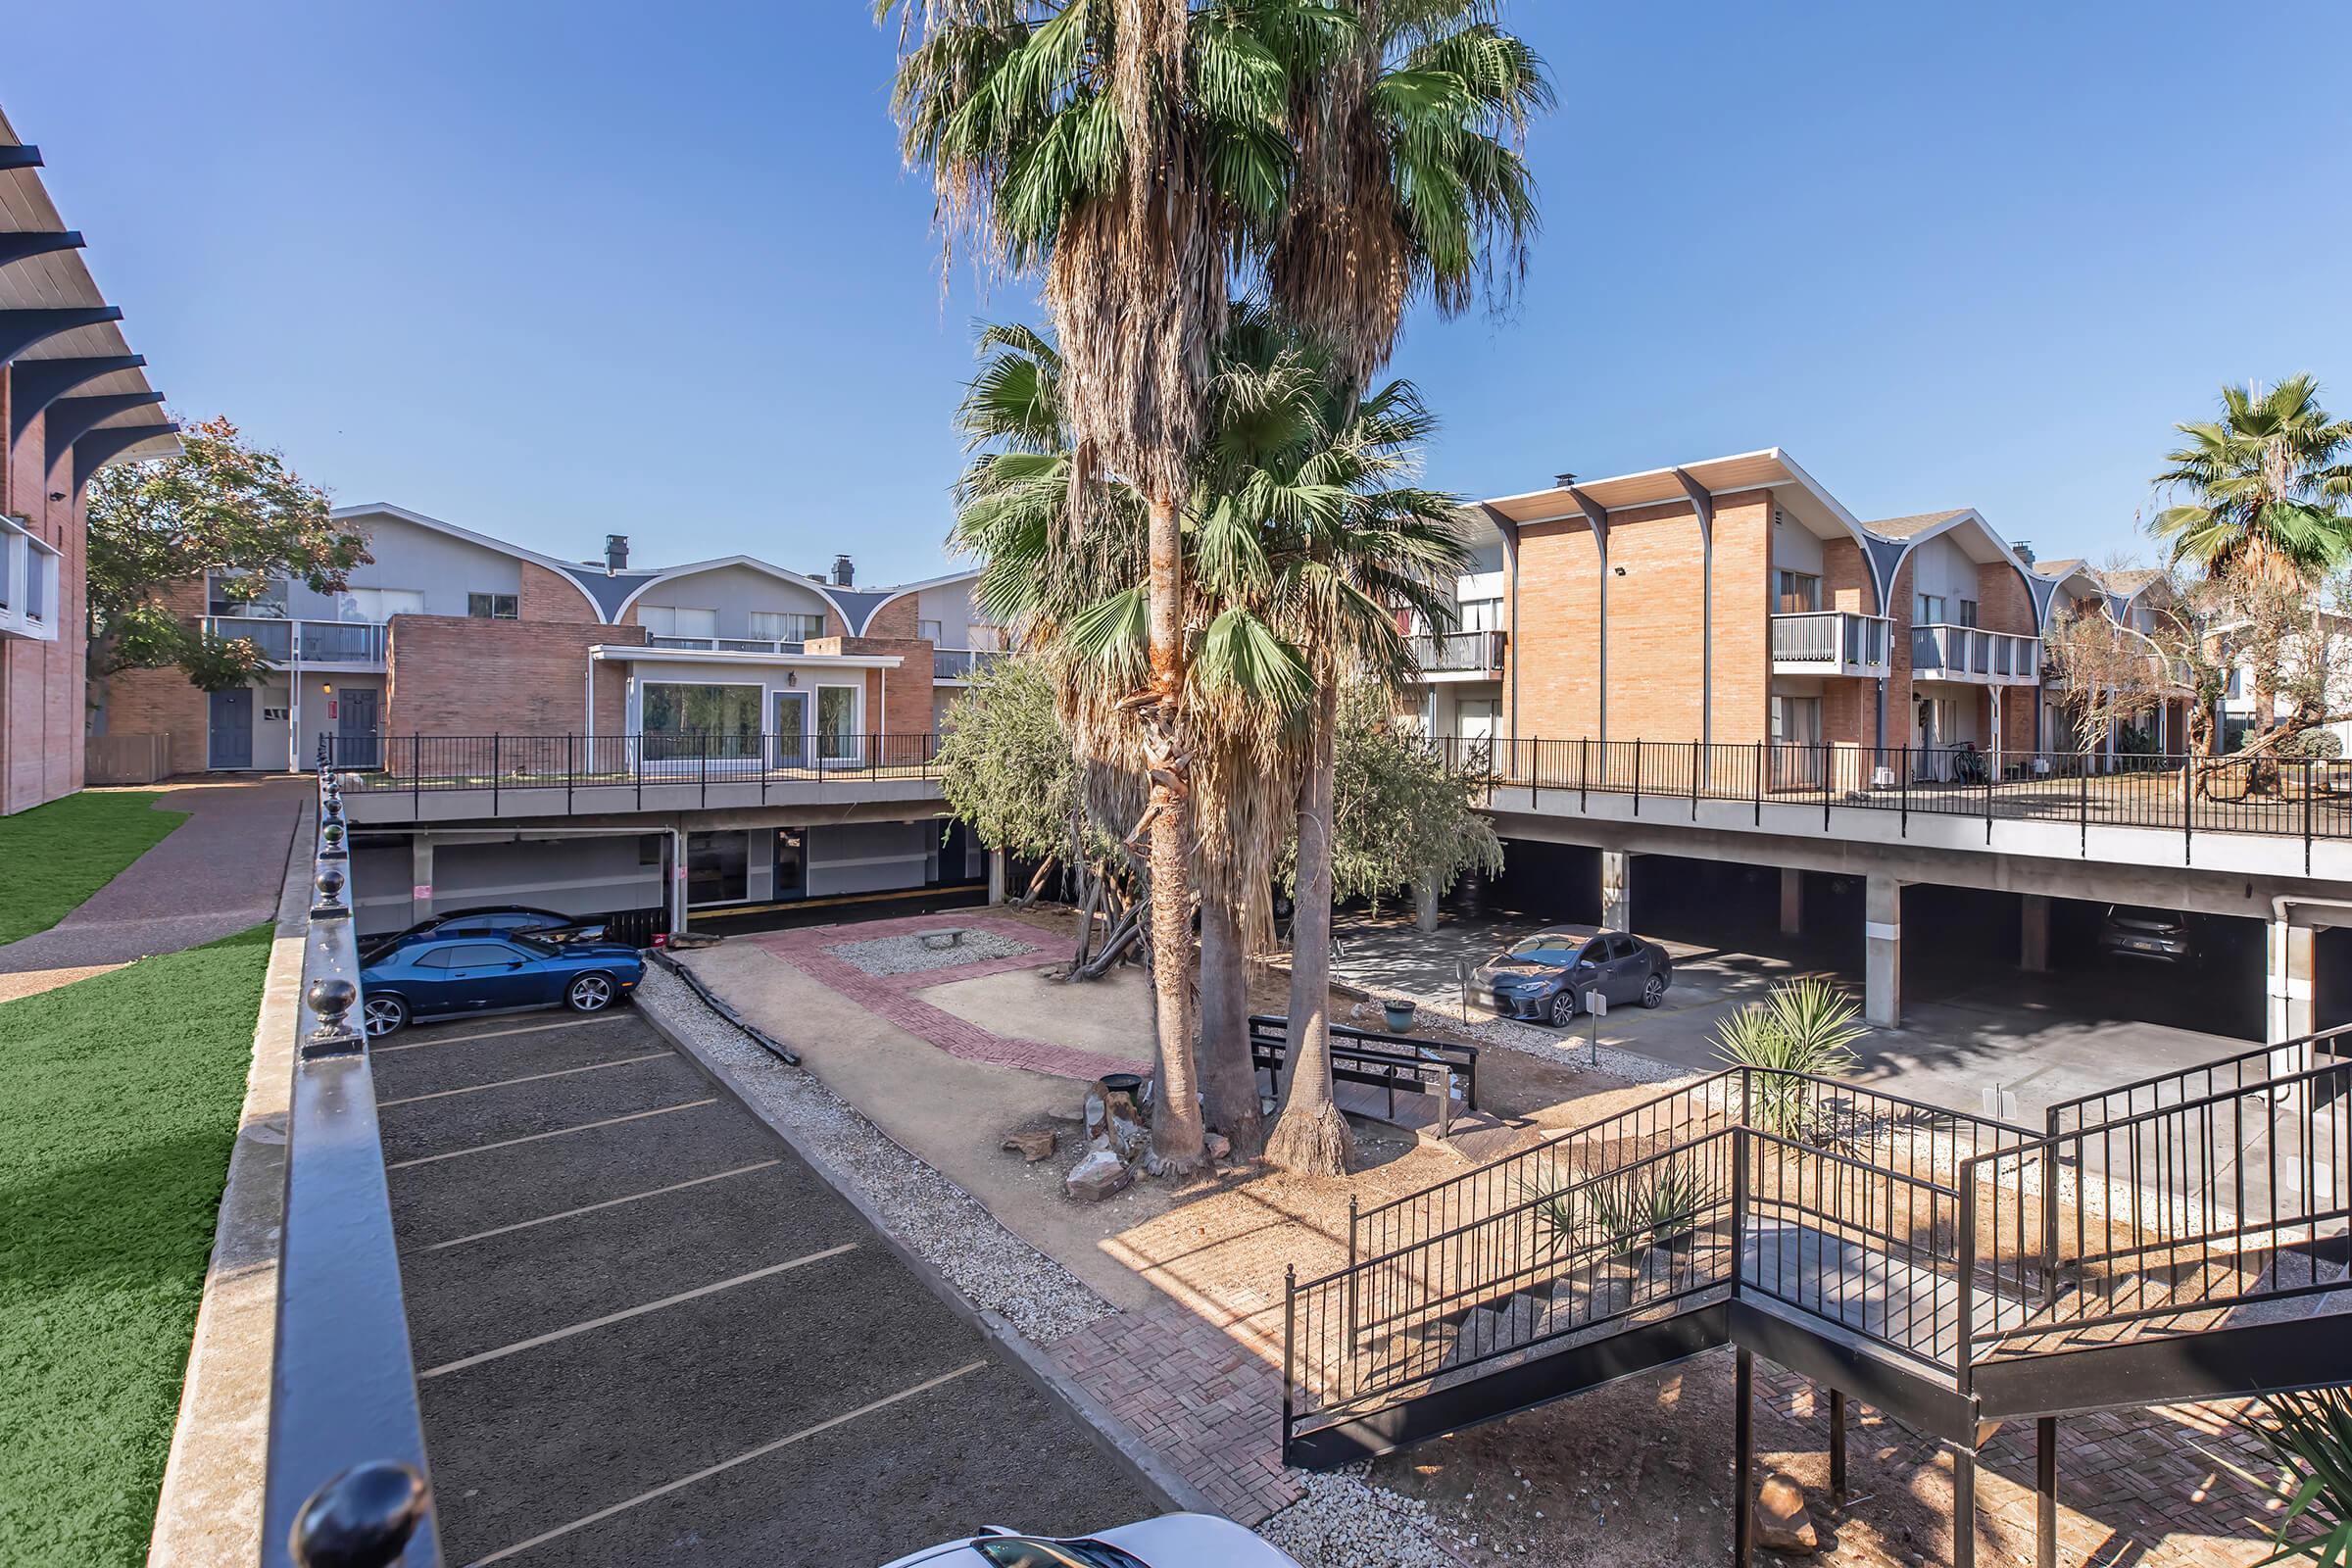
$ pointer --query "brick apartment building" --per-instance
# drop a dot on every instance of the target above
(455, 653)
(73, 399)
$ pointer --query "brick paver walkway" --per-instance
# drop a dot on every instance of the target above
(892, 997)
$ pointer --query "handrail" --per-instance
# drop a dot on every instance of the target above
(346, 1456)
(2219, 1063)
(2202, 1103)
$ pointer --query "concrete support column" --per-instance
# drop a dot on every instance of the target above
(421, 877)
(677, 880)
(996, 877)
(1792, 902)
(1882, 964)
(2289, 980)
(2033, 946)
(1616, 890)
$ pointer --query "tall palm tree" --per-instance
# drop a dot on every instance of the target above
(1408, 124)
(2263, 491)
(1118, 149)
(2262, 487)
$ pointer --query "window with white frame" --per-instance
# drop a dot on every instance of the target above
(932, 629)
(677, 620)
(787, 626)
(378, 604)
(1481, 614)
(1928, 609)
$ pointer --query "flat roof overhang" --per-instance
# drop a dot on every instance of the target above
(637, 654)
(1798, 492)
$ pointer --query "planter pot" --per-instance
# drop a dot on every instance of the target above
(1399, 1015)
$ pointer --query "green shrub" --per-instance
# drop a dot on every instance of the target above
(1806, 1025)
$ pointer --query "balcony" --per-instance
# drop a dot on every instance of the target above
(731, 645)
(960, 664)
(1830, 642)
(306, 644)
(27, 583)
(1971, 654)
(1462, 655)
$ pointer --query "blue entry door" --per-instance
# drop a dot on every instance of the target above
(355, 745)
(232, 731)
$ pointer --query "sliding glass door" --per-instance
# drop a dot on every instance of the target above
(788, 730)
(837, 735)
(700, 723)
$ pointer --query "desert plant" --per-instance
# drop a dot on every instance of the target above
(1559, 1213)
(2310, 1434)
(1648, 1207)
(1803, 1026)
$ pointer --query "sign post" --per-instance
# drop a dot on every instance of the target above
(1596, 1007)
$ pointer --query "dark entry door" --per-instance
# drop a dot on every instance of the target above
(354, 730)
(231, 742)
(792, 863)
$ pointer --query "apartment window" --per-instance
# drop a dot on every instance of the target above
(1928, 609)
(786, 625)
(1968, 612)
(378, 604)
(1481, 614)
(1800, 592)
(984, 639)
(672, 621)
(1796, 721)
(931, 630)
(494, 607)
(244, 598)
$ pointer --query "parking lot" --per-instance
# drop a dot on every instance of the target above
(640, 1322)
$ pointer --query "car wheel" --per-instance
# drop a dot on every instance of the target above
(1653, 990)
(1563, 1008)
(589, 993)
(384, 1014)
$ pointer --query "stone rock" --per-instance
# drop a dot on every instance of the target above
(1782, 1523)
(1113, 1124)
(1099, 1175)
(1219, 1145)
(1034, 1147)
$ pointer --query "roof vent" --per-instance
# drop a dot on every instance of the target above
(843, 573)
(617, 552)
(1561, 481)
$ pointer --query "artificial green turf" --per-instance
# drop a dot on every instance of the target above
(118, 1102)
(60, 853)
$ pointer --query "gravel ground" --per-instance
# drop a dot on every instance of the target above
(1346, 1522)
(1570, 1048)
(944, 1224)
(907, 954)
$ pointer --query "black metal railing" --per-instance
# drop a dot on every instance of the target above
(2303, 798)
(1390, 1063)
(1457, 652)
(346, 1472)
(499, 764)
(961, 663)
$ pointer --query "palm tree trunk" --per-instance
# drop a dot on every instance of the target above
(1227, 1077)
(1310, 1136)
(1176, 1147)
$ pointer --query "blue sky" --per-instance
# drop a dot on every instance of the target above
(554, 270)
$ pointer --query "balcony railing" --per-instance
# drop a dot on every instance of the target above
(961, 663)
(1460, 653)
(303, 642)
(1830, 642)
(1944, 652)
(731, 645)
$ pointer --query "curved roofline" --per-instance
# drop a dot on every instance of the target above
(894, 594)
(1965, 515)
(768, 567)
(2058, 580)
(561, 568)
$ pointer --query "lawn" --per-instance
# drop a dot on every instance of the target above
(118, 1101)
(60, 853)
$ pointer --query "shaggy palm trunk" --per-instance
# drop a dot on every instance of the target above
(1310, 1136)
(1176, 1133)
(1228, 1081)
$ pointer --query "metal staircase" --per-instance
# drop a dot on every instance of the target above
(2179, 1237)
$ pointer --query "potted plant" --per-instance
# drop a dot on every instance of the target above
(1399, 1015)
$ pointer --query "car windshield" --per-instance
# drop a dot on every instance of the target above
(1018, 1552)
(2139, 914)
(531, 945)
(1557, 950)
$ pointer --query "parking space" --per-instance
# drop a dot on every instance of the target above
(643, 1329)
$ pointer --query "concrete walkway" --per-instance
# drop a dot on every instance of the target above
(218, 874)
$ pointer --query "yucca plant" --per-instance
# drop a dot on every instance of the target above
(1648, 1207)
(1559, 1213)
(1807, 1026)
(2310, 1434)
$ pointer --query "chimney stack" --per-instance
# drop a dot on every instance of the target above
(1561, 481)
(617, 552)
(843, 575)
(2023, 549)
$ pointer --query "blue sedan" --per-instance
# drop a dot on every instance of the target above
(445, 977)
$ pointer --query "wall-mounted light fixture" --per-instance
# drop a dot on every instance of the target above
(327, 687)
(57, 495)
(1620, 570)
(792, 677)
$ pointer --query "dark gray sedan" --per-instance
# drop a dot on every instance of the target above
(1543, 977)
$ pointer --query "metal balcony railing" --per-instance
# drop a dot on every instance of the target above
(1831, 641)
(283, 641)
(961, 663)
(1944, 652)
(1457, 652)
(731, 645)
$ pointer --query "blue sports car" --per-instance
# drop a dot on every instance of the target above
(438, 977)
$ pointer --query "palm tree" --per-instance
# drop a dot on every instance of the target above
(1119, 149)
(2262, 486)
(2263, 489)
(1409, 126)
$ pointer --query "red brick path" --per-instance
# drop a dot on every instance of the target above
(892, 997)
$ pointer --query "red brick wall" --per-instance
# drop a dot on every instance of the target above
(42, 689)
(161, 702)
(1653, 622)
(2002, 602)
(897, 701)
(1742, 663)
(549, 595)
(1845, 580)
(1555, 635)
(456, 675)
(1898, 660)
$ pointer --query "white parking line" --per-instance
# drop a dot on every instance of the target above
(560, 1132)
(745, 1457)
(527, 1078)
(493, 1033)
(590, 1208)
(622, 1316)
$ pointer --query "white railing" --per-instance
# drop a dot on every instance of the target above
(1944, 652)
(27, 583)
(1830, 642)
(730, 645)
(303, 642)
(1457, 652)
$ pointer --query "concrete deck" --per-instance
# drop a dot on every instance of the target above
(645, 1329)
